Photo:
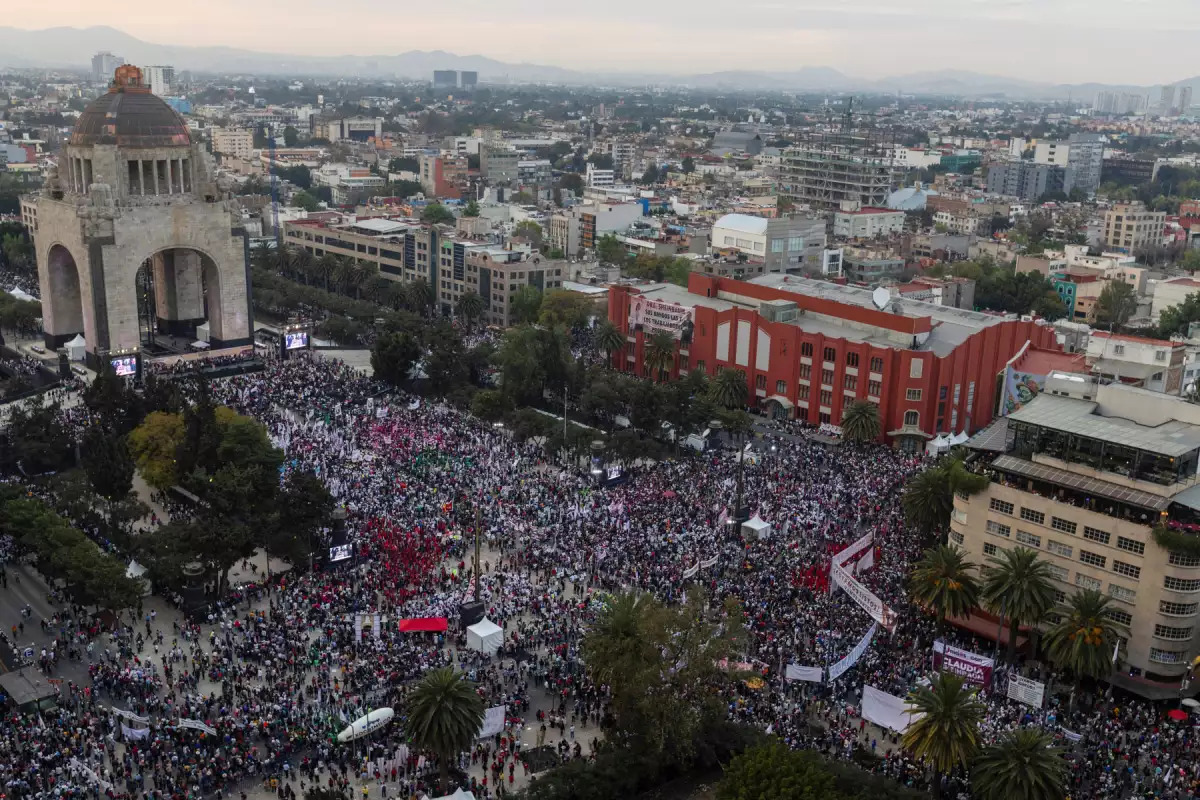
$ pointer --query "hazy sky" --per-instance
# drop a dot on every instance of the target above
(1133, 41)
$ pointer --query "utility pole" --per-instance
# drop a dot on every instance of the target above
(478, 576)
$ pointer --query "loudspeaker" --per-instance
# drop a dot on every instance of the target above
(471, 612)
(64, 366)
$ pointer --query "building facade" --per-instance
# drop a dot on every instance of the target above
(1025, 179)
(810, 348)
(1084, 474)
(233, 142)
(104, 64)
(826, 171)
(867, 223)
(1085, 162)
(1131, 227)
(782, 244)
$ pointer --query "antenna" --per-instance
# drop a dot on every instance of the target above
(881, 297)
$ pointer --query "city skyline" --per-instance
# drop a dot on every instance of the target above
(1071, 41)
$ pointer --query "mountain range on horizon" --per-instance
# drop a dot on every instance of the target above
(72, 48)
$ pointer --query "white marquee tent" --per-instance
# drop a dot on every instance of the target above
(485, 636)
(756, 528)
(75, 348)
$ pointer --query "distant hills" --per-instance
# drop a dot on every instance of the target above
(74, 47)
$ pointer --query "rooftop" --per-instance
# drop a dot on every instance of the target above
(743, 223)
(1083, 418)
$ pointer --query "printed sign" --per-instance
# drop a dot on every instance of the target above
(656, 316)
(1025, 690)
(971, 667)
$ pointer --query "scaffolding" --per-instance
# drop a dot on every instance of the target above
(827, 168)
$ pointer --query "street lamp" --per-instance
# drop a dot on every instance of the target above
(737, 517)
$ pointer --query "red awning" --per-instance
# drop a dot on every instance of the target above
(417, 624)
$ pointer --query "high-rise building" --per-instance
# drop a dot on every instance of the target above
(468, 80)
(826, 170)
(1085, 162)
(1167, 99)
(160, 79)
(1025, 179)
(445, 79)
(498, 164)
(1131, 227)
(1185, 99)
(104, 64)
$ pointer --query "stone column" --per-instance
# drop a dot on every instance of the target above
(141, 176)
(170, 178)
(154, 174)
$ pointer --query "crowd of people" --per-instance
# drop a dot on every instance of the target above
(279, 670)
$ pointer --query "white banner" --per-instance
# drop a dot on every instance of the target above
(1025, 690)
(1071, 735)
(493, 722)
(120, 712)
(866, 562)
(197, 725)
(795, 672)
(886, 710)
(690, 571)
(87, 772)
(135, 734)
(709, 563)
(854, 655)
(860, 594)
(849, 552)
(658, 316)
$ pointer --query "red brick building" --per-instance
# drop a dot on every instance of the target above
(810, 348)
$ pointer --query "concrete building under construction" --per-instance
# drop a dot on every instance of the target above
(828, 168)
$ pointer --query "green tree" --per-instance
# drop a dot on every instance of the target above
(419, 296)
(660, 355)
(291, 136)
(1117, 303)
(470, 307)
(860, 422)
(561, 307)
(1017, 585)
(650, 176)
(153, 445)
(609, 340)
(688, 165)
(490, 405)
(304, 200)
(1175, 320)
(946, 734)
(1084, 640)
(928, 497)
(526, 304)
(37, 436)
(444, 715)
(437, 214)
(1024, 764)
(528, 229)
(610, 250)
(446, 364)
(305, 506)
(471, 209)
(404, 164)
(729, 389)
(393, 356)
(108, 465)
(774, 772)
(943, 582)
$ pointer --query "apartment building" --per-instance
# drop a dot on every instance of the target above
(1084, 474)
(404, 250)
(783, 244)
(233, 142)
(867, 223)
(1025, 179)
(578, 228)
(442, 176)
(498, 164)
(1129, 227)
(1153, 364)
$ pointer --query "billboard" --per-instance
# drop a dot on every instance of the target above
(971, 667)
(294, 341)
(125, 366)
(340, 552)
(657, 316)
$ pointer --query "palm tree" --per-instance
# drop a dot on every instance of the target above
(1084, 640)
(470, 307)
(609, 339)
(419, 295)
(660, 354)
(1018, 586)
(861, 421)
(729, 389)
(943, 582)
(302, 263)
(928, 496)
(947, 733)
(327, 266)
(444, 716)
(1021, 766)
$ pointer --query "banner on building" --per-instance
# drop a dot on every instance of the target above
(197, 725)
(1025, 690)
(795, 672)
(854, 655)
(658, 316)
(493, 722)
(971, 667)
(886, 710)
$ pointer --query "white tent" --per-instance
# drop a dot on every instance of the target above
(938, 445)
(958, 438)
(21, 294)
(136, 570)
(485, 636)
(202, 332)
(75, 348)
(756, 528)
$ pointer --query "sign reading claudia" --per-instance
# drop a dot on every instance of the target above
(657, 316)
(971, 667)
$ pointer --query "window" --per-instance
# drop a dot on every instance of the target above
(805, 372)
(1086, 582)
(1088, 557)
(942, 392)
(700, 365)
(826, 398)
(1118, 592)
(1168, 656)
(874, 388)
(1174, 634)
(912, 419)
(830, 354)
(802, 394)
(1132, 545)
(912, 394)
(876, 365)
(827, 377)
(1060, 596)
(989, 549)
(1064, 525)
(1120, 617)
(1024, 537)
(851, 359)
(1095, 535)
(777, 245)
(1060, 549)
(1059, 573)
(795, 243)
(1181, 584)
(1119, 349)
(1160, 355)
(1177, 609)
(997, 528)
(1033, 516)
(780, 387)
(1183, 560)
(916, 368)
(1128, 570)
(1001, 506)
(957, 392)
(956, 537)
(806, 349)
(850, 383)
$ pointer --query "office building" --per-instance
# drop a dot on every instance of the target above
(1130, 228)
(445, 79)
(624, 154)
(1085, 162)
(104, 64)
(339, 129)
(1126, 170)
(1167, 98)
(468, 79)
(1100, 479)
(442, 176)
(404, 250)
(1025, 179)
(781, 244)
(499, 164)
(160, 79)
(233, 142)
(599, 178)
(576, 229)
(867, 223)
(810, 348)
(1050, 152)
(1185, 99)
(825, 170)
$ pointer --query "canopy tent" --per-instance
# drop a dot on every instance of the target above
(420, 624)
(485, 636)
(756, 528)
(136, 570)
(202, 332)
(959, 438)
(937, 445)
(75, 348)
(21, 294)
